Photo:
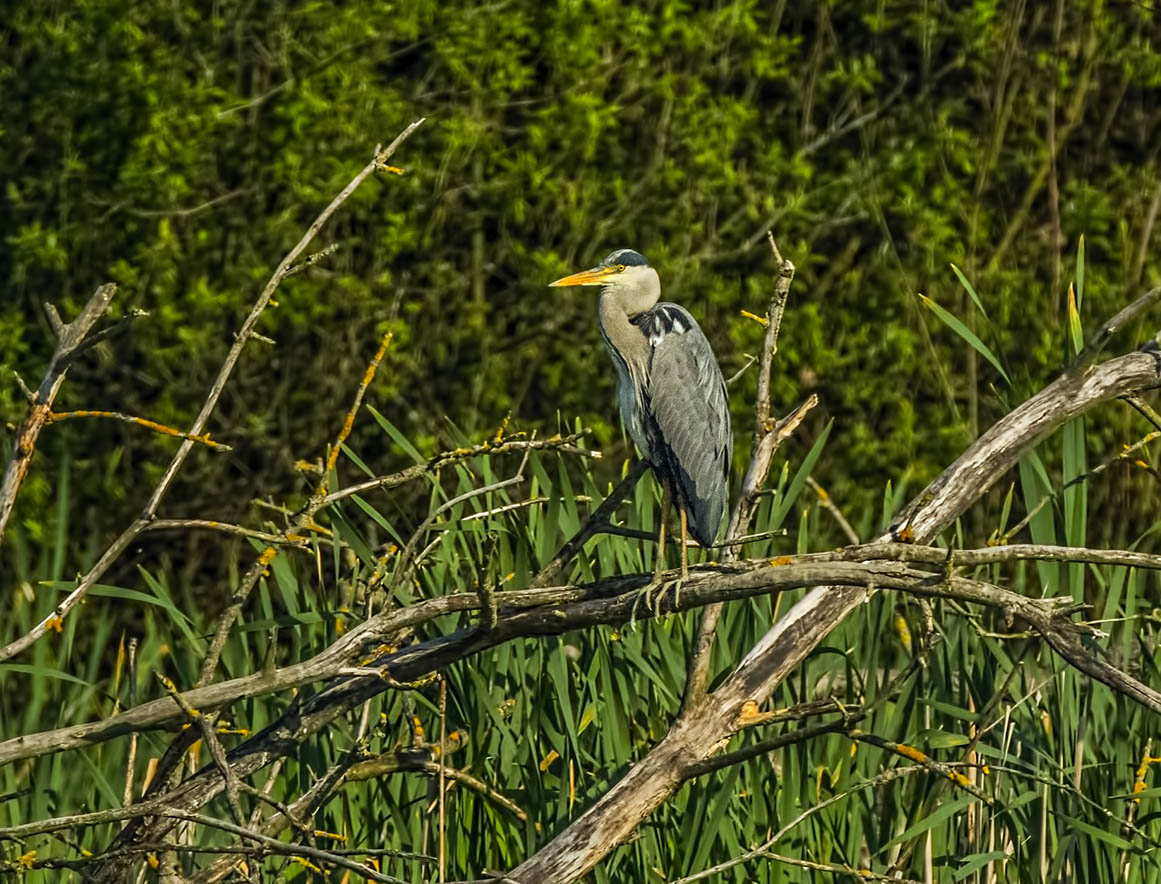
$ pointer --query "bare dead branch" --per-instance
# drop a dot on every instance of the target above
(553, 611)
(702, 732)
(203, 439)
(245, 333)
(602, 515)
(69, 339)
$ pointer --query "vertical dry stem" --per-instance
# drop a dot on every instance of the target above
(765, 441)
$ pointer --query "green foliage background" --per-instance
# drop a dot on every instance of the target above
(180, 149)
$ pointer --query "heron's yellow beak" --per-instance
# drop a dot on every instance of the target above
(594, 276)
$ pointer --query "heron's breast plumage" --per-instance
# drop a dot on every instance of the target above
(630, 384)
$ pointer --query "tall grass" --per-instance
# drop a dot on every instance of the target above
(551, 723)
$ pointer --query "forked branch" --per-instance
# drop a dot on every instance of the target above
(70, 340)
(705, 726)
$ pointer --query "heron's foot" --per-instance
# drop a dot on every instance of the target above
(653, 594)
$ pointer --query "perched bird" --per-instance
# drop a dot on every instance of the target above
(671, 393)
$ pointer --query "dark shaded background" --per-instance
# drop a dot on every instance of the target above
(180, 149)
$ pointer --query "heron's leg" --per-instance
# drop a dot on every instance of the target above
(684, 557)
(684, 545)
(659, 556)
(651, 590)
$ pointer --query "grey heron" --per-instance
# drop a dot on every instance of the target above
(671, 393)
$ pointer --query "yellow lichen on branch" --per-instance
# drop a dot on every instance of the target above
(202, 438)
(349, 420)
(910, 752)
(1142, 772)
(498, 436)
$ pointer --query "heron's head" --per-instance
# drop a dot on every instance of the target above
(624, 274)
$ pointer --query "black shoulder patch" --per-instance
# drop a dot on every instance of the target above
(627, 257)
(664, 319)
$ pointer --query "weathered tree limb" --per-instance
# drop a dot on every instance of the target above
(558, 609)
(712, 721)
(521, 613)
(692, 738)
(1047, 615)
(70, 339)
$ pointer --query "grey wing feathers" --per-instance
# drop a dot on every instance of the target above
(686, 399)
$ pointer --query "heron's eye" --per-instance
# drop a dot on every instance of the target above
(620, 268)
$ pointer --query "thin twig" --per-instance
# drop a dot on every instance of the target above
(697, 672)
(736, 376)
(827, 504)
(302, 519)
(402, 762)
(408, 559)
(203, 439)
(910, 752)
(442, 790)
(283, 847)
(311, 260)
(1096, 344)
(566, 444)
(881, 779)
(131, 762)
(217, 753)
(228, 528)
(1123, 454)
(1143, 408)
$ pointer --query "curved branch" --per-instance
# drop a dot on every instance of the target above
(702, 729)
(553, 611)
